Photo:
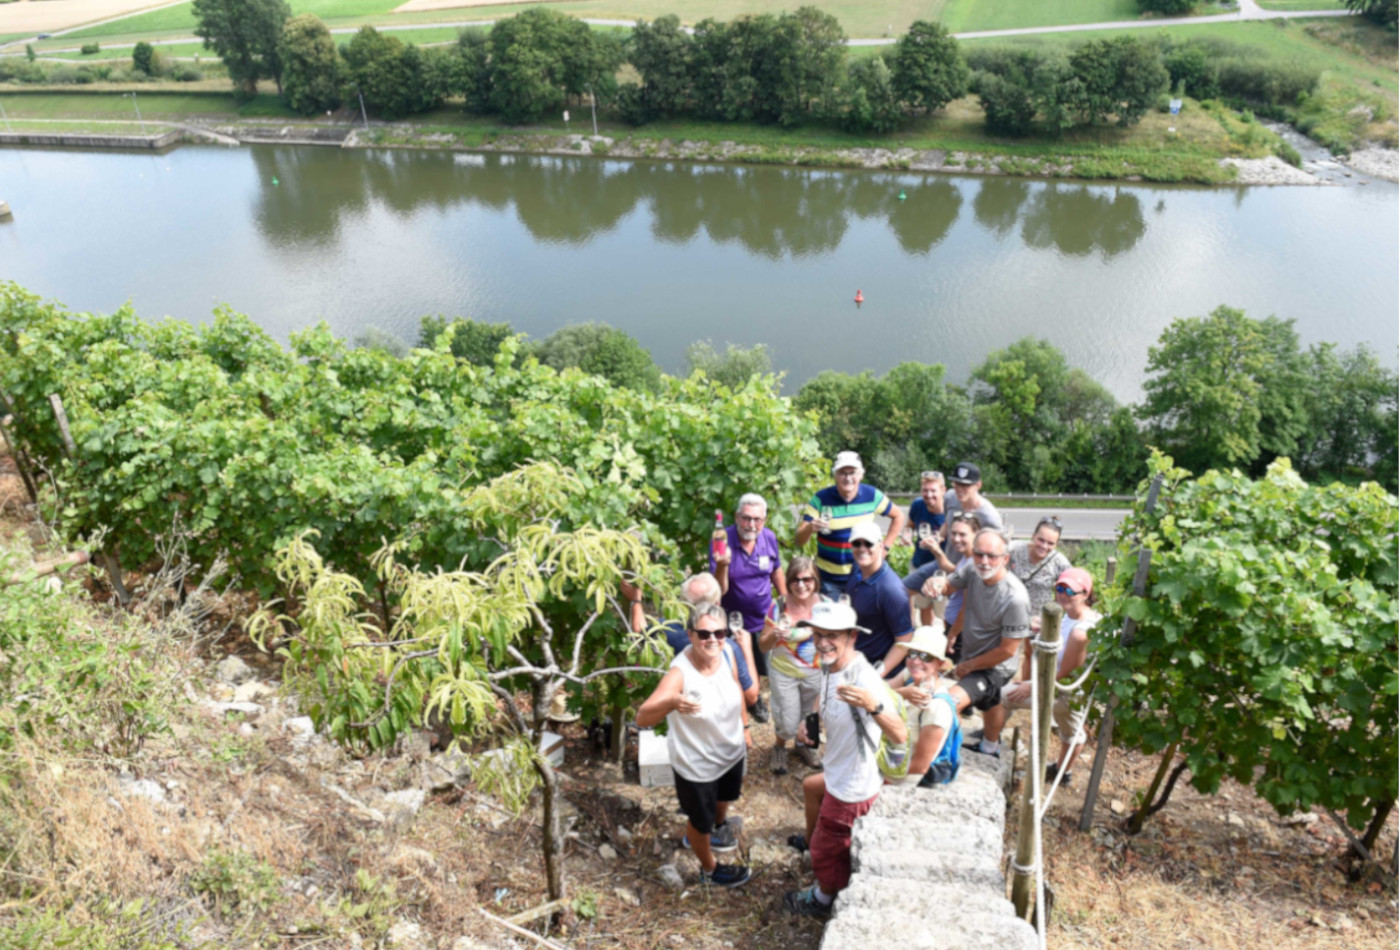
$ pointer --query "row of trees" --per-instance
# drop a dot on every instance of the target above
(1222, 391)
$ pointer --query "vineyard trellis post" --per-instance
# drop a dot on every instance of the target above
(70, 448)
(1105, 737)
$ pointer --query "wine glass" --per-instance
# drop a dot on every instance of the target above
(736, 622)
(925, 531)
(826, 519)
(694, 696)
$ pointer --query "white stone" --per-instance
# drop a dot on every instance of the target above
(232, 670)
(143, 788)
(405, 935)
(607, 852)
(250, 711)
(252, 691)
(670, 877)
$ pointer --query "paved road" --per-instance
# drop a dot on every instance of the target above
(1249, 10)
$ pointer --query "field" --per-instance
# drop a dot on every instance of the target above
(889, 18)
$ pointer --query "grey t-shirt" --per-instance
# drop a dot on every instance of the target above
(991, 613)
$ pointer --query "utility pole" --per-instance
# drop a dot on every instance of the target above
(593, 102)
(5, 115)
(134, 106)
(363, 115)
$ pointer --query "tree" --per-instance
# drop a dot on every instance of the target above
(1384, 12)
(396, 79)
(661, 53)
(143, 57)
(1351, 406)
(245, 34)
(1167, 7)
(929, 71)
(544, 616)
(471, 77)
(601, 350)
(736, 367)
(1226, 390)
(1007, 102)
(869, 102)
(1265, 645)
(310, 66)
(540, 57)
(472, 340)
(1121, 77)
(812, 46)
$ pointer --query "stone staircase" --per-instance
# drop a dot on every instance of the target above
(927, 866)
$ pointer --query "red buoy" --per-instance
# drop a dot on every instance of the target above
(860, 297)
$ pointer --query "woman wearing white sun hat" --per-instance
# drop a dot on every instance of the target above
(932, 714)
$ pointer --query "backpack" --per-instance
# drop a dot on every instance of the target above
(944, 768)
(892, 758)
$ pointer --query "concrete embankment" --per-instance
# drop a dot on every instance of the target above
(927, 869)
(89, 140)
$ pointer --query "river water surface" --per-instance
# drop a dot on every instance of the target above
(950, 267)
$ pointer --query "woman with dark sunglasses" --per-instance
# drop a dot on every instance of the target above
(1074, 592)
(793, 673)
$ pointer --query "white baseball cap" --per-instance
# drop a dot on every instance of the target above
(847, 459)
(867, 531)
(830, 615)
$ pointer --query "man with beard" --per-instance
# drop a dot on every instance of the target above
(996, 618)
(748, 573)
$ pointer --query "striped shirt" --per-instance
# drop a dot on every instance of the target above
(834, 548)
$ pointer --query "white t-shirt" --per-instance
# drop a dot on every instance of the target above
(849, 763)
(705, 746)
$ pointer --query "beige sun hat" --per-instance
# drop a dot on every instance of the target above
(559, 710)
(930, 640)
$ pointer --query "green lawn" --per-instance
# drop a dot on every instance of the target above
(181, 50)
(861, 18)
(1302, 4)
(57, 105)
(94, 126)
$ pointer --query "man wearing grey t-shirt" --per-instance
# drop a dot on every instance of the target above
(996, 618)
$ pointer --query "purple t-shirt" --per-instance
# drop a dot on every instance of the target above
(750, 577)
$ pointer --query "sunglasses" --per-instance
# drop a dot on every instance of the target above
(1052, 521)
(707, 634)
(931, 476)
(861, 544)
(987, 555)
(1068, 591)
(922, 657)
(803, 580)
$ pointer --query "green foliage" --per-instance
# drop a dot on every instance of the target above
(1120, 77)
(360, 445)
(90, 49)
(540, 57)
(601, 350)
(472, 340)
(1008, 102)
(1266, 639)
(371, 904)
(245, 34)
(143, 57)
(96, 924)
(310, 66)
(737, 366)
(396, 79)
(68, 675)
(869, 101)
(29, 52)
(235, 883)
(1351, 407)
(373, 338)
(1167, 7)
(1226, 390)
(929, 71)
(1384, 12)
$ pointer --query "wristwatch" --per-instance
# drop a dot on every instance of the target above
(878, 709)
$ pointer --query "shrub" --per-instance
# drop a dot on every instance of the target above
(1166, 7)
(1007, 102)
(189, 74)
(1269, 83)
(143, 58)
(601, 350)
(472, 340)
(89, 49)
(736, 367)
(1193, 70)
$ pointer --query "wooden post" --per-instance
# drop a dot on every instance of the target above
(109, 560)
(21, 464)
(1105, 738)
(1047, 649)
(1110, 572)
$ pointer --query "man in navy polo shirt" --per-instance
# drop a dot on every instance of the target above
(878, 598)
(747, 576)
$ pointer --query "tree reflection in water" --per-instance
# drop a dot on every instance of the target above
(771, 212)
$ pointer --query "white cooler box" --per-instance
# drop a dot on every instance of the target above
(654, 760)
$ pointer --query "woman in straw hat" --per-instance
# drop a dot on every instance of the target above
(932, 714)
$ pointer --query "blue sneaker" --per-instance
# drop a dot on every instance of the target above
(726, 875)
(721, 839)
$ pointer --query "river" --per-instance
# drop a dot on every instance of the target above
(951, 268)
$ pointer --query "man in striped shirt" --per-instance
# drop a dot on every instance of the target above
(849, 503)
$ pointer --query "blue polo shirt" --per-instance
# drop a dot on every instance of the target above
(882, 607)
(919, 514)
(679, 640)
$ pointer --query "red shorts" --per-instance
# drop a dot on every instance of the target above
(831, 841)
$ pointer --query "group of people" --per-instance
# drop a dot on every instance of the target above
(836, 639)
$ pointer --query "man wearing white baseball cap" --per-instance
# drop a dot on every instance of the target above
(854, 715)
(877, 596)
(835, 510)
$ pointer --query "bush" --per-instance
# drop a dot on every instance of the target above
(869, 102)
(63, 75)
(1194, 70)
(601, 350)
(143, 58)
(1008, 103)
(1166, 7)
(189, 74)
(736, 367)
(472, 340)
(90, 49)
(1267, 83)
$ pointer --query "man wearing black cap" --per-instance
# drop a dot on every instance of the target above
(967, 486)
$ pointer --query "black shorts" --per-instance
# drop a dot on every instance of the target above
(700, 799)
(983, 687)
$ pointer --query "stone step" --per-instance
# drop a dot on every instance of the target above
(896, 897)
(971, 793)
(928, 928)
(967, 870)
(931, 833)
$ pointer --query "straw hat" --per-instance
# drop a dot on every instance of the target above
(931, 641)
(558, 711)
